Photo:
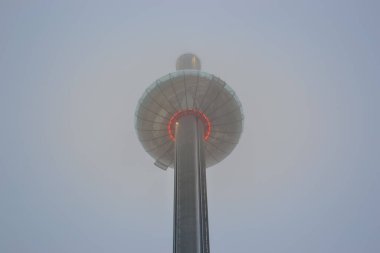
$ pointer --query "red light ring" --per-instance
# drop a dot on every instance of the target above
(200, 115)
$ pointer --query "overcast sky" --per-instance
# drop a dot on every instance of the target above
(304, 177)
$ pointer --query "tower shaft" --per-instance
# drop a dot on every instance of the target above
(190, 196)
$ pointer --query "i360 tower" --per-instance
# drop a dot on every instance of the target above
(189, 120)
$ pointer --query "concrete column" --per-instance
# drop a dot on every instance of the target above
(190, 194)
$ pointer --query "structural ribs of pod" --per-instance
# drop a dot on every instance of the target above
(189, 91)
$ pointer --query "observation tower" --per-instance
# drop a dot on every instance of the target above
(189, 120)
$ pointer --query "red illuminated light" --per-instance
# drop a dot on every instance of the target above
(200, 115)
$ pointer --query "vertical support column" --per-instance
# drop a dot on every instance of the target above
(190, 193)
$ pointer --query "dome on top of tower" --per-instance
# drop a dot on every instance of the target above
(188, 61)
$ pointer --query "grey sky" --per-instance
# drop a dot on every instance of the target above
(304, 177)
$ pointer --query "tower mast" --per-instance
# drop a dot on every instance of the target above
(190, 195)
